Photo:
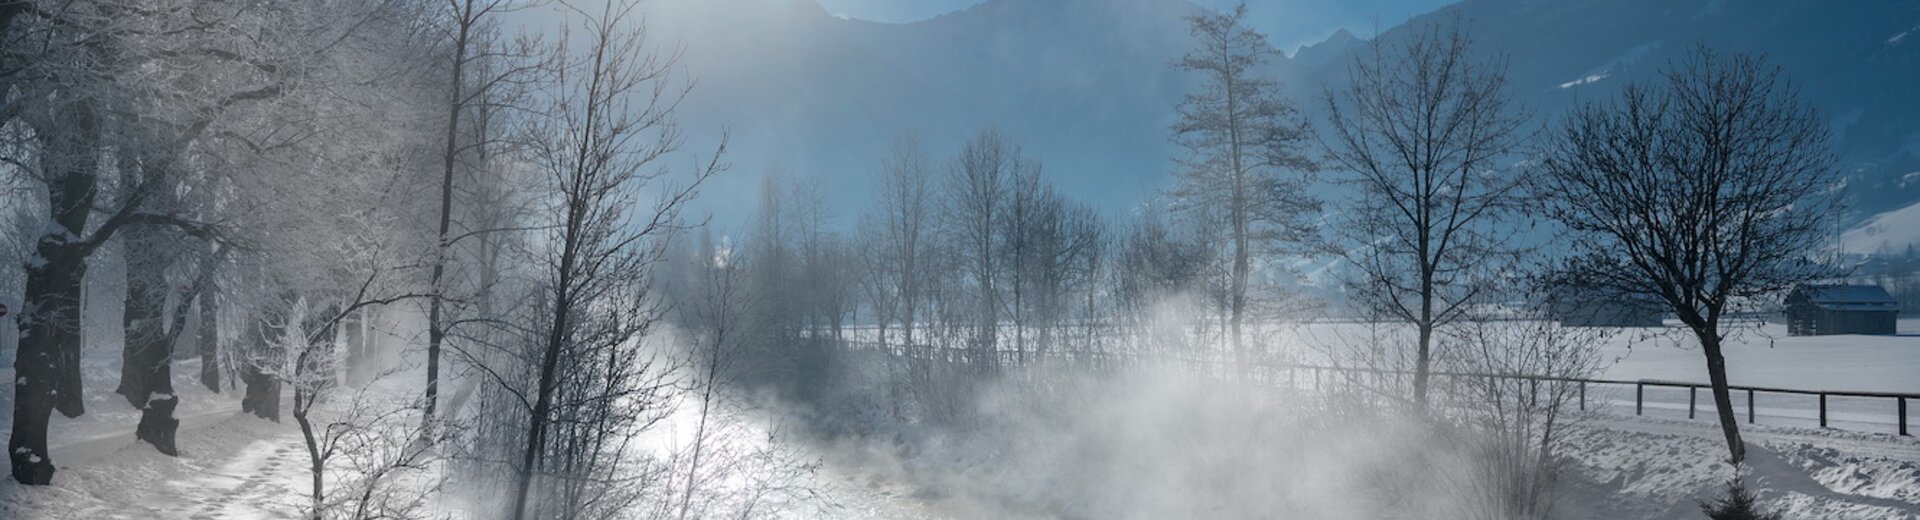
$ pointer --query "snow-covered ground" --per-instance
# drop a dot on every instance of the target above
(1758, 355)
(1657, 466)
(231, 465)
(1767, 356)
(1129, 449)
(1660, 469)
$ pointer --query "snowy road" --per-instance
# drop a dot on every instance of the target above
(83, 451)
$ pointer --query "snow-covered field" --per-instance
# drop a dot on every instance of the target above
(1656, 467)
(1758, 355)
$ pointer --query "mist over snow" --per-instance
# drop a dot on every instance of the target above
(960, 259)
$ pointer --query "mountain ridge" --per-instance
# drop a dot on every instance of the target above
(1088, 88)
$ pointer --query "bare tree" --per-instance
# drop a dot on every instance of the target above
(1708, 189)
(980, 185)
(1049, 242)
(383, 441)
(775, 273)
(611, 107)
(1418, 132)
(480, 68)
(1245, 150)
(902, 232)
(717, 308)
(1522, 416)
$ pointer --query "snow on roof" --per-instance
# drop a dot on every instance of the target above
(1849, 297)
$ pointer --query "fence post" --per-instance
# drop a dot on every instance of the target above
(1693, 400)
(1749, 406)
(1903, 416)
(1639, 397)
(1583, 395)
(1823, 409)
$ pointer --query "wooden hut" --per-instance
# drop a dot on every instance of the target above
(1817, 310)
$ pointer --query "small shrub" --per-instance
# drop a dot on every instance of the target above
(1739, 504)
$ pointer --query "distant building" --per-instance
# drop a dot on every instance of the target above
(1818, 310)
(1576, 308)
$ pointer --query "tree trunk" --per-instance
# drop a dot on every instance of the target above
(143, 317)
(47, 365)
(316, 467)
(1423, 359)
(1722, 398)
(151, 386)
(457, 102)
(356, 347)
(157, 424)
(48, 328)
(209, 339)
(262, 397)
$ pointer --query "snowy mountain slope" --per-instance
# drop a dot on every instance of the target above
(1848, 60)
(1892, 231)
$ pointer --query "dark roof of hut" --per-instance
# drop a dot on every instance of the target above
(1849, 297)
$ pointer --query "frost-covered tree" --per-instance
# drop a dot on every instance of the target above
(1245, 151)
(125, 114)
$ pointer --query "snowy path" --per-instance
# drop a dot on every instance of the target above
(83, 451)
(231, 466)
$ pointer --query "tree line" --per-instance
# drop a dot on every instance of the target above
(289, 181)
(1703, 189)
(427, 229)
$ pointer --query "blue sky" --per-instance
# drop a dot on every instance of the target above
(1290, 23)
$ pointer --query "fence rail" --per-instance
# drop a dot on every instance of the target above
(1015, 358)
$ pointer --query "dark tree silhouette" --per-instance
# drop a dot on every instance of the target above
(1418, 131)
(1707, 190)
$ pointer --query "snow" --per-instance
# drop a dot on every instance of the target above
(1582, 81)
(1655, 467)
(1769, 357)
(1612, 66)
(1659, 469)
(1892, 230)
(230, 466)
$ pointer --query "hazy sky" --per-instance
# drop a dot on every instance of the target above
(813, 103)
(1291, 23)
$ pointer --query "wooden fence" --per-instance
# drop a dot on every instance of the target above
(1271, 372)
